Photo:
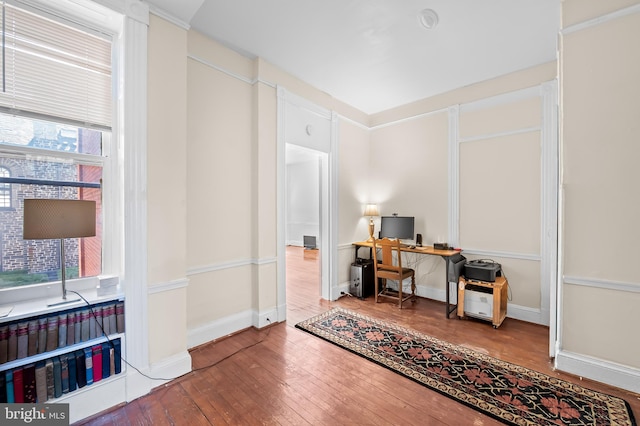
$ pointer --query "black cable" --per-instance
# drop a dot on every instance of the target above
(162, 378)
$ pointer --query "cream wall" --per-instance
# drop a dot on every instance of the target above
(229, 168)
(408, 175)
(600, 291)
(468, 165)
(500, 196)
(219, 188)
(232, 168)
(167, 176)
(353, 192)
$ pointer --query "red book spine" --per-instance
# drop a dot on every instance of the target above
(97, 362)
(18, 385)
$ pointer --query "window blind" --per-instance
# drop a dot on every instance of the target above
(54, 71)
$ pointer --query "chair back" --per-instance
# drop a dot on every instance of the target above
(387, 247)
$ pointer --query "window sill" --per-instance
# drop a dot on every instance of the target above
(38, 306)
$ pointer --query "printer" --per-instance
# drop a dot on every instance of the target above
(482, 270)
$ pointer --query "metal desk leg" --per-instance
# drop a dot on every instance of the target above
(449, 309)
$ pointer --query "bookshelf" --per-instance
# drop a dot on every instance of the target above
(69, 350)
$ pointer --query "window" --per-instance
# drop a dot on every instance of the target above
(55, 131)
(5, 189)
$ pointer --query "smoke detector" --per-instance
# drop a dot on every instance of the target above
(428, 18)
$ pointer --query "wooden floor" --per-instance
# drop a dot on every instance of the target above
(283, 376)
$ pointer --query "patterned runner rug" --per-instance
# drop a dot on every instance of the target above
(510, 393)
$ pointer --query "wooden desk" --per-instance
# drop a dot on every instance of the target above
(445, 254)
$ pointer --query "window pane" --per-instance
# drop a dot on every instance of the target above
(34, 261)
(5, 189)
(26, 132)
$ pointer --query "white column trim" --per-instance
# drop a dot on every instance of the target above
(454, 175)
(550, 173)
(328, 252)
(333, 292)
(281, 292)
(133, 137)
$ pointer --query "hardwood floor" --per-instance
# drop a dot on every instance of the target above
(283, 376)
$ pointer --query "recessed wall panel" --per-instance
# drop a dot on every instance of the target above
(500, 194)
(514, 116)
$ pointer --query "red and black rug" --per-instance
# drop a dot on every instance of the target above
(510, 393)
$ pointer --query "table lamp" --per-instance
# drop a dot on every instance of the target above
(371, 210)
(46, 219)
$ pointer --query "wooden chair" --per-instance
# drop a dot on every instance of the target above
(384, 269)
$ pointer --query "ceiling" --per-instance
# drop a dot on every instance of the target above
(374, 54)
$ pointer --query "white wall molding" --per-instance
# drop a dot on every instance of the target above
(170, 368)
(501, 99)
(500, 134)
(250, 81)
(221, 69)
(263, 319)
(603, 284)
(522, 313)
(168, 286)
(503, 254)
(100, 396)
(601, 19)
(219, 328)
(232, 324)
(229, 265)
(406, 119)
(169, 17)
(354, 122)
(611, 373)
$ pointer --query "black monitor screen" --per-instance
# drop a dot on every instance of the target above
(400, 227)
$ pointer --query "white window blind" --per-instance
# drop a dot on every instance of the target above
(51, 70)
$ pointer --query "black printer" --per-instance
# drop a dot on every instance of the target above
(482, 270)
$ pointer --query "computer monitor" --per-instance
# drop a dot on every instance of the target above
(400, 227)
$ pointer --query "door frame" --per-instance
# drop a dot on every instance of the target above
(328, 196)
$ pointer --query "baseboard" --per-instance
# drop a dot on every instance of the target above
(96, 398)
(337, 291)
(282, 312)
(264, 319)
(170, 368)
(522, 313)
(232, 324)
(219, 328)
(613, 374)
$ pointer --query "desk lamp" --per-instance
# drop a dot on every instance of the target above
(371, 210)
(46, 219)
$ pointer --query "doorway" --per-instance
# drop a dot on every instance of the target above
(310, 132)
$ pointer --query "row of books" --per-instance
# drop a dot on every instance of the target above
(48, 379)
(46, 333)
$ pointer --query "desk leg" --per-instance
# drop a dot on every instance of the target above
(357, 249)
(449, 309)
